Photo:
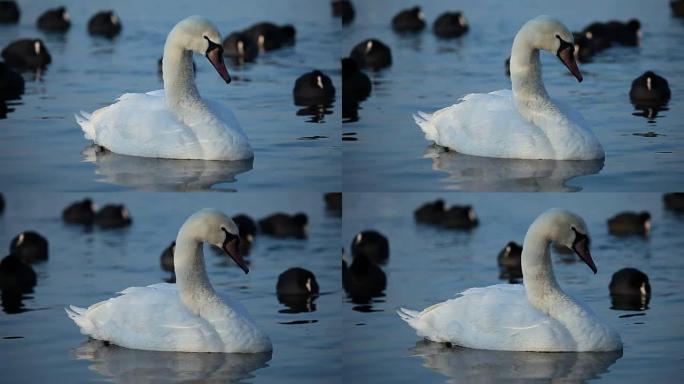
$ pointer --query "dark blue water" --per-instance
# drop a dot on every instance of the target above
(41, 145)
(89, 266)
(428, 74)
(428, 265)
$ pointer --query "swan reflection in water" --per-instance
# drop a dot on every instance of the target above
(477, 173)
(465, 365)
(132, 365)
(151, 174)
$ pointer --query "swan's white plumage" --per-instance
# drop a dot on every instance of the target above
(489, 125)
(141, 124)
(153, 318)
(174, 123)
(184, 317)
(520, 124)
(503, 317)
(500, 317)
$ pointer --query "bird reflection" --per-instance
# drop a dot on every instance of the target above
(13, 301)
(492, 174)
(356, 87)
(350, 110)
(649, 112)
(133, 365)
(297, 303)
(317, 112)
(629, 302)
(464, 365)
(153, 174)
(16, 280)
(4, 110)
(7, 107)
(363, 280)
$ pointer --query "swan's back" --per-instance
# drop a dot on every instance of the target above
(500, 317)
(490, 125)
(154, 318)
(486, 124)
(141, 124)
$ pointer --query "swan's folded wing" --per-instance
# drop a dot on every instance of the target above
(236, 328)
(152, 318)
(225, 115)
(572, 114)
(141, 124)
(487, 124)
(498, 317)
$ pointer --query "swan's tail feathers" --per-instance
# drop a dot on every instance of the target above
(83, 119)
(77, 314)
(424, 122)
(75, 311)
(407, 315)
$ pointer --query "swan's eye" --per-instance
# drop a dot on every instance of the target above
(579, 236)
(229, 236)
(563, 45)
(213, 46)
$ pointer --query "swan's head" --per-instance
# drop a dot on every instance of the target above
(569, 230)
(200, 35)
(214, 227)
(549, 34)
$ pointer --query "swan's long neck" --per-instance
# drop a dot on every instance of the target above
(179, 82)
(526, 79)
(539, 280)
(191, 276)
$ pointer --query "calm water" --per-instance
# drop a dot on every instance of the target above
(428, 265)
(428, 74)
(41, 144)
(89, 266)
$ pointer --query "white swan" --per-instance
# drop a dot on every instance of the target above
(524, 123)
(536, 317)
(173, 123)
(184, 317)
